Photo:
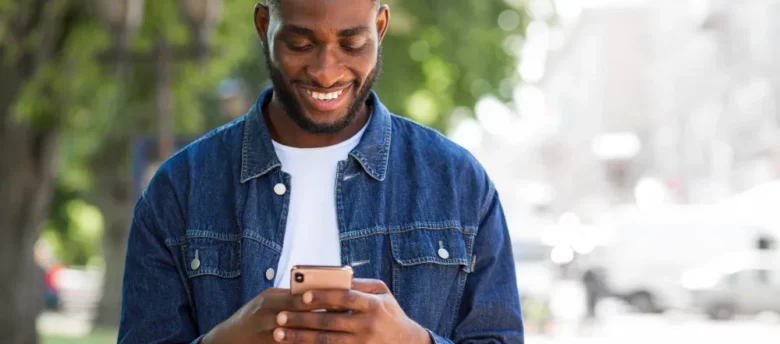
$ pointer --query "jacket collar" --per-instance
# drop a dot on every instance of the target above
(258, 156)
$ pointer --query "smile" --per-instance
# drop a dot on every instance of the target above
(325, 96)
(325, 101)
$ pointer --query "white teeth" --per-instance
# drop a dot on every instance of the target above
(325, 96)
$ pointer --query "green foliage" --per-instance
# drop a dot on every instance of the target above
(74, 228)
(438, 55)
(105, 115)
(441, 54)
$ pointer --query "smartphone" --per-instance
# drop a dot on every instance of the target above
(311, 277)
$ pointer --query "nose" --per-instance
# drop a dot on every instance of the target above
(326, 69)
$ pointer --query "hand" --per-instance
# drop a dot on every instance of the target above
(375, 318)
(254, 323)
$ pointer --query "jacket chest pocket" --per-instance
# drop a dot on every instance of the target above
(429, 272)
(440, 247)
(205, 256)
(213, 268)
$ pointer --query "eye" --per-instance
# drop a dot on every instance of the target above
(298, 46)
(353, 49)
(353, 46)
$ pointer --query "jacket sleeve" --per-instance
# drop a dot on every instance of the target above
(490, 309)
(155, 304)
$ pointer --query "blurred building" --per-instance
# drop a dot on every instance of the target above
(696, 83)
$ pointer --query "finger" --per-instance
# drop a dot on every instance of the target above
(371, 286)
(276, 301)
(334, 322)
(287, 335)
(340, 300)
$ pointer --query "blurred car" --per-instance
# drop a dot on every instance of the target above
(723, 294)
(650, 250)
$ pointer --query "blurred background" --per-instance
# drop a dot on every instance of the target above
(635, 145)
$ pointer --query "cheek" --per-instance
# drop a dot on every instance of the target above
(364, 65)
(288, 66)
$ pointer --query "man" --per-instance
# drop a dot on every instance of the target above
(319, 172)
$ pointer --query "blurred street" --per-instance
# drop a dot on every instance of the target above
(617, 326)
(69, 324)
(621, 327)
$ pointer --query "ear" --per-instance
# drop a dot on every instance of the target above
(382, 21)
(262, 19)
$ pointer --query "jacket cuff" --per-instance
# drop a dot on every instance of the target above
(197, 341)
(437, 339)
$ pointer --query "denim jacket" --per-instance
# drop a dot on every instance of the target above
(413, 210)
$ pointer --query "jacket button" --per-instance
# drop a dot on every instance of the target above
(443, 253)
(270, 273)
(195, 263)
(280, 189)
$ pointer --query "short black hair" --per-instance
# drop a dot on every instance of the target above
(275, 3)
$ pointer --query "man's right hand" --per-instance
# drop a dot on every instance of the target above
(256, 321)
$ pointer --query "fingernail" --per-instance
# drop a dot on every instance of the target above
(279, 335)
(281, 319)
(307, 297)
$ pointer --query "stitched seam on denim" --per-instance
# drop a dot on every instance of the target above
(396, 271)
(462, 277)
(263, 241)
(192, 234)
(340, 168)
(282, 226)
(386, 147)
(431, 259)
(170, 242)
(469, 241)
(214, 272)
(488, 203)
(449, 225)
(244, 157)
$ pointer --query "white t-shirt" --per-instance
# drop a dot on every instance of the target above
(311, 236)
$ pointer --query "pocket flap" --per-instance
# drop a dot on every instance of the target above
(211, 256)
(439, 246)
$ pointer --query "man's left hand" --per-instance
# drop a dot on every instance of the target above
(375, 318)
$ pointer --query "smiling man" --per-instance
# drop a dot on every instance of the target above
(319, 172)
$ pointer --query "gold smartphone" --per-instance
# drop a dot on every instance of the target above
(316, 277)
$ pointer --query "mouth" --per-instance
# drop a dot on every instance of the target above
(325, 100)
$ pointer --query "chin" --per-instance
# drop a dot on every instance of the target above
(325, 118)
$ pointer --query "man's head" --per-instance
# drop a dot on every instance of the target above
(323, 57)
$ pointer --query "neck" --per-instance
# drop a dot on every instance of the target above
(285, 131)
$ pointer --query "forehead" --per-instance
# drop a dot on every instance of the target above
(327, 14)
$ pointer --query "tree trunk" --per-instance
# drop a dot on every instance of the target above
(27, 152)
(26, 172)
(116, 200)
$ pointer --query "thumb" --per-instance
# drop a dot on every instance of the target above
(370, 286)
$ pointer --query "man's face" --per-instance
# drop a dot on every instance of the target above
(323, 58)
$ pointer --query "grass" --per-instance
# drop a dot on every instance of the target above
(97, 337)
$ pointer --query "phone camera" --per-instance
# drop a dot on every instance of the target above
(298, 277)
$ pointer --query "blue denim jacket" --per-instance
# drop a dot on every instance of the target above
(405, 193)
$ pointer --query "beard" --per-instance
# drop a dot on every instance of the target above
(292, 108)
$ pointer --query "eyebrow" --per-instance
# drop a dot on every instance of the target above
(300, 30)
(353, 31)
